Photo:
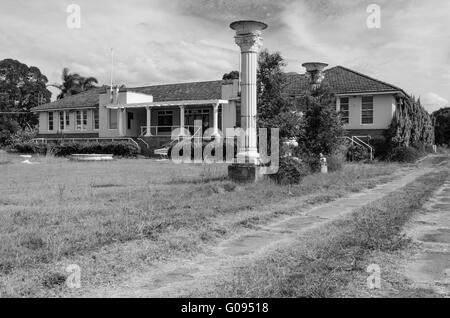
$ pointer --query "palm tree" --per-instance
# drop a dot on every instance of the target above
(86, 83)
(73, 83)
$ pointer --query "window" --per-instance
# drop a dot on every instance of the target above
(50, 121)
(81, 120)
(78, 127)
(112, 119)
(84, 119)
(67, 115)
(367, 110)
(61, 121)
(96, 119)
(345, 110)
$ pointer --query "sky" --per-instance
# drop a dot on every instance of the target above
(170, 41)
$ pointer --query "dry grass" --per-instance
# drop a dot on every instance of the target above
(57, 210)
(323, 262)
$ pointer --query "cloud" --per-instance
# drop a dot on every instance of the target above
(432, 102)
(163, 41)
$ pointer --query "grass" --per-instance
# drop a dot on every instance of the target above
(116, 216)
(322, 263)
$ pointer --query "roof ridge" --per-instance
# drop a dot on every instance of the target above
(366, 76)
(170, 84)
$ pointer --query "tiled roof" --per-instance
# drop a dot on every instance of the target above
(182, 91)
(160, 93)
(341, 80)
(82, 100)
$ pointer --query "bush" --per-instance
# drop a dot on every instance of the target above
(120, 149)
(30, 148)
(381, 147)
(358, 153)
(292, 170)
(404, 154)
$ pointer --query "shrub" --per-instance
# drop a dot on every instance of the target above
(121, 149)
(381, 147)
(30, 148)
(358, 153)
(291, 171)
(404, 154)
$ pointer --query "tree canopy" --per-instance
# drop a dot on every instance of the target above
(74, 83)
(442, 126)
(22, 87)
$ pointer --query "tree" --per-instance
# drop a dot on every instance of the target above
(442, 126)
(274, 109)
(74, 83)
(231, 76)
(322, 129)
(21, 88)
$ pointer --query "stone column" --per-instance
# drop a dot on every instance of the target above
(182, 120)
(121, 120)
(248, 38)
(149, 121)
(216, 121)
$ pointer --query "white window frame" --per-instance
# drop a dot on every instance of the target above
(52, 121)
(362, 110)
(81, 121)
(94, 113)
(347, 111)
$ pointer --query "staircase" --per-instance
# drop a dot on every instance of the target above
(357, 140)
(148, 145)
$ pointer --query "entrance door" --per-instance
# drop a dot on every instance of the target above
(197, 114)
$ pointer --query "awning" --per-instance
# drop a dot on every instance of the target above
(169, 103)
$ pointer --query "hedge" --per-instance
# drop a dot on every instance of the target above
(120, 149)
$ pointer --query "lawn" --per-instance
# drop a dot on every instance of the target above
(323, 262)
(112, 217)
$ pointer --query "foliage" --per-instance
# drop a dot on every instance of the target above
(121, 149)
(404, 154)
(442, 126)
(358, 153)
(274, 109)
(74, 83)
(381, 147)
(231, 76)
(22, 87)
(411, 124)
(291, 171)
(337, 159)
(322, 129)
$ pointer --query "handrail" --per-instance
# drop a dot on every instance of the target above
(359, 142)
(365, 144)
(144, 142)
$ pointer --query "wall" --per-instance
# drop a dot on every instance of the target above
(230, 92)
(70, 129)
(383, 111)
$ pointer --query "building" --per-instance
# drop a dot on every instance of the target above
(151, 113)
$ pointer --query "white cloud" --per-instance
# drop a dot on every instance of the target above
(432, 102)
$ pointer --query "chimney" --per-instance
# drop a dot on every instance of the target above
(315, 73)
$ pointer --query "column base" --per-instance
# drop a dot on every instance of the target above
(245, 173)
(248, 157)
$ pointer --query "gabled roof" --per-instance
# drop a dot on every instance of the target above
(341, 80)
(86, 99)
(161, 93)
(182, 91)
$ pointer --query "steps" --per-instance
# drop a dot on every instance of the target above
(148, 145)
